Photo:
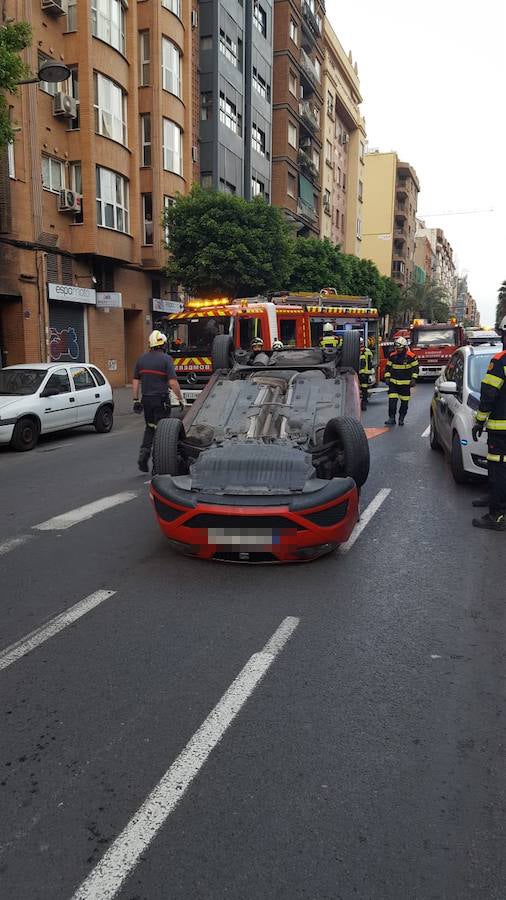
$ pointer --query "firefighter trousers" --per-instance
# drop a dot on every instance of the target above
(155, 408)
(497, 473)
(392, 408)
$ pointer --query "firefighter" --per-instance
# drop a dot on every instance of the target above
(492, 415)
(366, 369)
(401, 373)
(155, 373)
(329, 339)
(278, 345)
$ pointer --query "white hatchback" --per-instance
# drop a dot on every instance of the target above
(42, 397)
(453, 408)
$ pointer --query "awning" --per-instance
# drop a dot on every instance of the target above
(306, 192)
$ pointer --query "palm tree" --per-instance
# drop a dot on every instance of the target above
(428, 300)
(501, 302)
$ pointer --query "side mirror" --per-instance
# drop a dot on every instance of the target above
(49, 392)
(447, 387)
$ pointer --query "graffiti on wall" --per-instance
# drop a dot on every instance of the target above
(64, 343)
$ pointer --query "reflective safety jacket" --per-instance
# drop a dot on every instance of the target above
(400, 373)
(492, 409)
(366, 367)
(330, 341)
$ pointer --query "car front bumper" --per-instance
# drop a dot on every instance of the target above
(430, 371)
(6, 430)
(256, 529)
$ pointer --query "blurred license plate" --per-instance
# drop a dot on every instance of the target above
(243, 537)
(190, 395)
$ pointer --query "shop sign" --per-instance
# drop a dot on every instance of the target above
(109, 300)
(167, 306)
(72, 293)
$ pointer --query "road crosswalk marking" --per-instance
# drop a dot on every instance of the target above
(37, 637)
(82, 513)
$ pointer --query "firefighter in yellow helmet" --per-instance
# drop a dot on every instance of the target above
(365, 371)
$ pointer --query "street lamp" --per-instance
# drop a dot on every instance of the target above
(51, 71)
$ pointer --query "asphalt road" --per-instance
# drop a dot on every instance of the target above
(356, 748)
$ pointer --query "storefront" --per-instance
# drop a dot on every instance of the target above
(160, 309)
(68, 323)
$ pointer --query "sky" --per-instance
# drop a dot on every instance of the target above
(433, 79)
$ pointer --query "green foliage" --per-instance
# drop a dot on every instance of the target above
(13, 39)
(223, 244)
(501, 303)
(427, 300)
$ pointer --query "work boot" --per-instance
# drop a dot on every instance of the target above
(363, 405)
(401, 420)
(494, 522)
(143, 460)
(390, 422)
(481, 502)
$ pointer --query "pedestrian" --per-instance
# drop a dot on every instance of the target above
(365, 371)
(491, 415)
(155, 373)
(401, 373)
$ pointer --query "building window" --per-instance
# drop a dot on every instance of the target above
(337, 218)
(46, 86)
(171, 67)
(316, 160)
(110, 109)
(112, 200)
(344, 181)
(338, 178)
(146, 139)
(167, 203)
(147, 218)
(11, 167)
(330, 104)
(76, 185)
(326, 203)
(73, 89)
(291, 185)
(72, 15)
(229, 115)
(362, 151)
(292, 135)
(206, 42)
(108, 22)
(292, 83)
(144, 58)
(359, 228)
(260, 18)
(174, 6)
(257, 187)
(361, 191)
(53, 174)
(260, 85)
(328, 153)
(294, 31)
(398, 267)
(229, 48)
(206, 181)
(318, 69)
(172, 147)
(258, 139)
(206, 106)
(227, 187)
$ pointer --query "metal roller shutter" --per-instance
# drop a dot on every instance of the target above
(66, 332)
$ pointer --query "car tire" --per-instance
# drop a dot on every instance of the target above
(353, 457)
(456, 463)
(222, 352)
(433, 437)
(25, 435)
(104, 420)
(168, 434)
(350, 351)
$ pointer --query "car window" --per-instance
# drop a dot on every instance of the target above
(20, 381)
(99, 378)
(458, 374)
(249, 329)
(477, 370)
(82, 378)
(59, 381)
(450, 369)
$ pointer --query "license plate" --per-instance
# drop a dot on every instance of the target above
(244, 537)
(190, 395)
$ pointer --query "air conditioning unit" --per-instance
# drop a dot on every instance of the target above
(69, 201)
(64, 105)
(54, 7)
(195, 18)
(345, 138)
(195, 153)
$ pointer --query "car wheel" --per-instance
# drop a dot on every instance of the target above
(433, 436)
(350, 352)
(168, 434)
(456, 463)
(353, 456)
(25, 435)
(103, 420)
(222, 352)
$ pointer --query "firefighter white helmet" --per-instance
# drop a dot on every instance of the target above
(277, 345)
(400, 342)
(157, 339)
(328, 328)
(502, 325)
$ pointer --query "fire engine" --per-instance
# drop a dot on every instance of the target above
(433, 344)
(296, 319)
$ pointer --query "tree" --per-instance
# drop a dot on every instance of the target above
(501, 303)
(427, 300)
(13, 39)
(315, 264)
(222, 244)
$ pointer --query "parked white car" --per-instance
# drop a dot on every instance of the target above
(452, 414)
(43, 397)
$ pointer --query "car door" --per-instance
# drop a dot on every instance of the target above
(59, 409)
(452, 403)
(440, 405)
(87, 394)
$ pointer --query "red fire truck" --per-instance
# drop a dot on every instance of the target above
(433, 344)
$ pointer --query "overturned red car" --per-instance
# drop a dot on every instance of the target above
(268, 463)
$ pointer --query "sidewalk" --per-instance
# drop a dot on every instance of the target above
(123, 402)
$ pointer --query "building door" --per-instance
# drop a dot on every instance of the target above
(66, 332)
(12, 342)
(134, 340)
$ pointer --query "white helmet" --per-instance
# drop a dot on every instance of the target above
(502, 326)
(277, 344)
(400, 342)
(328, 328)
(157, 339)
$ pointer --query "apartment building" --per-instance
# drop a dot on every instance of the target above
(444, 271)
(341, 210)
(391, 188)
(236, 96)
(297, 112)
(425, 257)
(95, 162)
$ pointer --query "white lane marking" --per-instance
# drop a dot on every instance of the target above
(105, 880)
(82, 513)
(12, 543)
(41, 634)
(365, 518)
(426, 432)
(435, 656)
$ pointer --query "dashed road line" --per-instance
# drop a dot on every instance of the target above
(13, 543)
(106, 879)
(365, 518)
(82, 513)
(37, 637)
(426, 432)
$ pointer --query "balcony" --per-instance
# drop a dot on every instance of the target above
(400, 253)
(306, 211)
(310, 115)
(308, 69)
(310, 21)
(308, 167)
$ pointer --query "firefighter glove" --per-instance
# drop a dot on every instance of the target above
(183, 402)
(137, 406)
(477, 430)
